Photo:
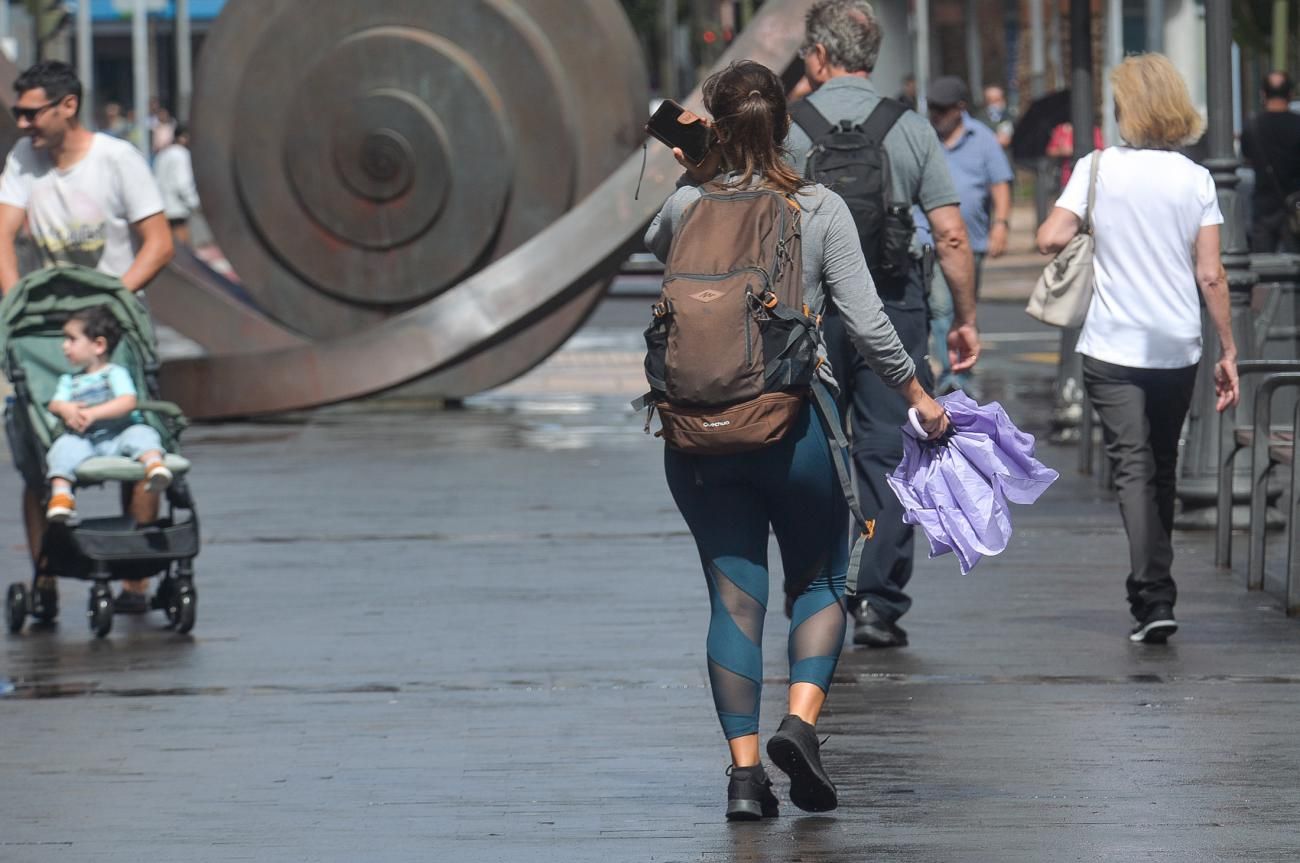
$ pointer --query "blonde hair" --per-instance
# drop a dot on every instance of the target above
(1152, 105)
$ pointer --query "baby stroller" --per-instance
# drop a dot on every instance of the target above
(95, 549)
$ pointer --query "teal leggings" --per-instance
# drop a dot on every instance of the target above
(728, 502)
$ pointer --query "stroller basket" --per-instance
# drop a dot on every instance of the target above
(118, 538)
(118, 545)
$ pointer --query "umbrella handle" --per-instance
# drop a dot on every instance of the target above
(914, 419)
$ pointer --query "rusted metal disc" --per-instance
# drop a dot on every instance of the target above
(365, 158)
(510, 313)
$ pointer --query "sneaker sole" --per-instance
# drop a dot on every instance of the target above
(59, 515)
(810, 789)
(744, 810)
(1155, 632)
(156, 484)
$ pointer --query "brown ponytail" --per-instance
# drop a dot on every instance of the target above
(748, 106)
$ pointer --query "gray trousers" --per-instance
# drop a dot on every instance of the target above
(1142, 413)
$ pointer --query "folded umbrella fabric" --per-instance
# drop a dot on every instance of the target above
(957, 488)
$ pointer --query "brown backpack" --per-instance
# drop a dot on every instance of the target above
(732, 349)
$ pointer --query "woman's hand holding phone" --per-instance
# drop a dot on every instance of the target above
(690, 137)
(704, 171)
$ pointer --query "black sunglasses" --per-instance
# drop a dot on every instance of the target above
(30, 114)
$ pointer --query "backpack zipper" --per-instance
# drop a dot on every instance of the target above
(749, 323)
(715, 277)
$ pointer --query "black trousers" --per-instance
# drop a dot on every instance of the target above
(875, 414)
(1269, 233)
(1142, 413)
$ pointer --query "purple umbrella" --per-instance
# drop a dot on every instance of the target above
(957, 488)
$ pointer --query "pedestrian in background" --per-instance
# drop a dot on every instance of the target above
(983, 176)
(907, 92)
(997, 115)
(841, 44)
(1156, 221)
(174, 171)
(1271, 144)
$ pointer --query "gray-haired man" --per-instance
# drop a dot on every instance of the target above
(841, 44)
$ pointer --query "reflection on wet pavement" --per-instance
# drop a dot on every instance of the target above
(478, 635)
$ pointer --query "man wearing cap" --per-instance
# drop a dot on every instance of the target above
(840, 47)
(983, 176)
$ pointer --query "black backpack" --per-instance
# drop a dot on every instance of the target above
(851, 161)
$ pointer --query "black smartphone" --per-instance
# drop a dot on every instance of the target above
(694, 137)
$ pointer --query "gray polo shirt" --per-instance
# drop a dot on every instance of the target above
(918, 168)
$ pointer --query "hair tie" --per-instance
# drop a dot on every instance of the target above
(754, 93)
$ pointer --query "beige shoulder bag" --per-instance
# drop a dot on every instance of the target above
(1064, 290)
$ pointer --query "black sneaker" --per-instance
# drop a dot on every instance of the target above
(749, 794)
(130, 602)
(871, 629)
(1155, 626)
(794, 748)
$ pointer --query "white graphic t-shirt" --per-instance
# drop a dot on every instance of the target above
(82, 215)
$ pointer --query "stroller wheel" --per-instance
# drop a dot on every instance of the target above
(16, 606)
(185, 606)
(100, 612)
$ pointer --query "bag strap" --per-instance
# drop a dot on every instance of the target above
(813, 122)
(881, 120)
(1092, 190)
(1277, 184)
(840, 455)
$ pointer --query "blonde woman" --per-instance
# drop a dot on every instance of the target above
(1156, 223)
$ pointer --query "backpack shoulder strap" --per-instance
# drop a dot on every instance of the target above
(812, 121)
(882, 119)
(839, 445)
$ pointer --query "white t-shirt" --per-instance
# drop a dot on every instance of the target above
(82, 215)
(175, 174)
(1150, 204)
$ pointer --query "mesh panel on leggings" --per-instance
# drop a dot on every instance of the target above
(734, 696)
(735, 653)
(820, 635)
(817, 625)
(745, 611)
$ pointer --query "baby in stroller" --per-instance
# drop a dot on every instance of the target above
(97, 406)
(102, 425)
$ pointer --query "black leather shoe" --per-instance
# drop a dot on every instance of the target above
(871, 629)
(749, 794)
(1155, 626)
(794, 749)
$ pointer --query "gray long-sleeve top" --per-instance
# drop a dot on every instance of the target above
(832, 264)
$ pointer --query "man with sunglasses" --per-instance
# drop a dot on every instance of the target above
(87, 199)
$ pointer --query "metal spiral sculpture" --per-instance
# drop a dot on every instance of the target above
(433, 190)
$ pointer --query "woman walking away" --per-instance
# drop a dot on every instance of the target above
(1156, 225)
(730, 500)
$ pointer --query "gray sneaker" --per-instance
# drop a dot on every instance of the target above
(749, 794)
(794, 749)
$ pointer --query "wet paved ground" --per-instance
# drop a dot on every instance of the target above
(478, 635)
